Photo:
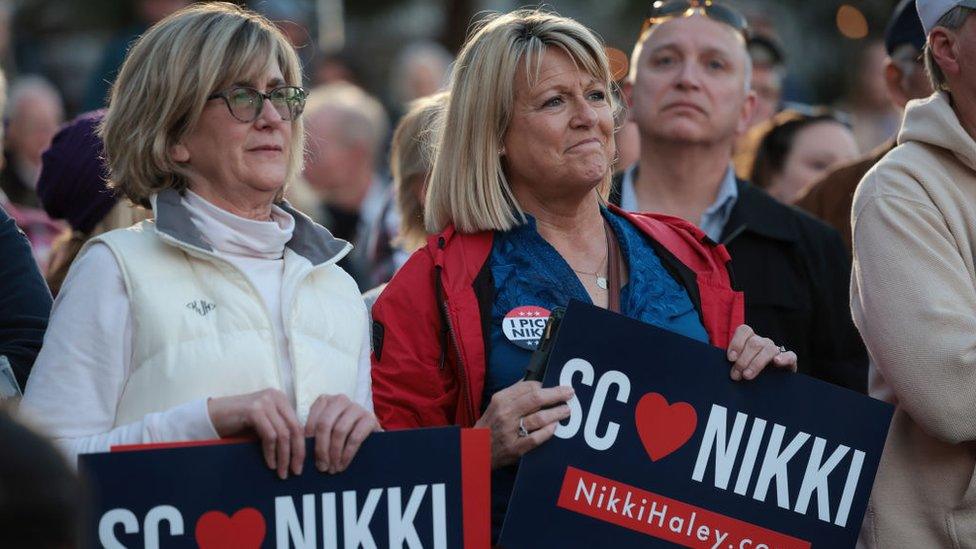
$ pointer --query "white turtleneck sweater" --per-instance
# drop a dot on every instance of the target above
(81, 371)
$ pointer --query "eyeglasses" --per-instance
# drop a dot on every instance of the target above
(245, 104)
(662, 10)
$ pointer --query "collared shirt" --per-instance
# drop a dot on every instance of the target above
(714, 217)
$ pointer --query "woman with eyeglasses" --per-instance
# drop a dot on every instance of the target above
(226, 315)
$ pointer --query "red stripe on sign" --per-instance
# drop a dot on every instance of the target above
(186, 444)
(661, 517)
(476, 487)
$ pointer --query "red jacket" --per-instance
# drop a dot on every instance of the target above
(428, 372)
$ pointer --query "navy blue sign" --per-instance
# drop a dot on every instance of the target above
(403, 489)
(663, 449)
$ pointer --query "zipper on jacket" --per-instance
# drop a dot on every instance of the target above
(448, 333)
(442, 306)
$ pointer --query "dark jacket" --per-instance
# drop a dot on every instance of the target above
(429, 324)
(831, 198)
(25, 302)
(795, 273)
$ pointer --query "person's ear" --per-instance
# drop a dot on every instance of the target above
(747, 112)
(627, 93)
(945, 51)
(893, 77)
(179, 153)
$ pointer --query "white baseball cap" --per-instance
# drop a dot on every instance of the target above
(930, 11)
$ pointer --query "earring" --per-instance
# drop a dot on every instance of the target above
(501, 151)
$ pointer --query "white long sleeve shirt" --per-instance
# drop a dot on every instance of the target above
(81, 371)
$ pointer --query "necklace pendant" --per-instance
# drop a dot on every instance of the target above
(601, 282)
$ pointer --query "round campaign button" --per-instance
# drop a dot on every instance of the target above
(524, 325)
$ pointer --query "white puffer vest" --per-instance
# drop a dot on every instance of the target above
(200, 328)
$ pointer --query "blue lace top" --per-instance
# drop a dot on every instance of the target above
(527, 270)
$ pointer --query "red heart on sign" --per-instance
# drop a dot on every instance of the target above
(244, 530)
(663, 427)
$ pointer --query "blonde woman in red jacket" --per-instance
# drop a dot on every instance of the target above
(516, 205)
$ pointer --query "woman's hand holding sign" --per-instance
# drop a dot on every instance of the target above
(338, 424)
(750, 353)
(520, 419)
(268, 414)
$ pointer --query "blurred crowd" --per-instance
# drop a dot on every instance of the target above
(346, 184)
(765, 184)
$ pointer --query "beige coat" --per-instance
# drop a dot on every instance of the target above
(913, 296)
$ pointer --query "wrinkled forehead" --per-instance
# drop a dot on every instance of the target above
(695, 33)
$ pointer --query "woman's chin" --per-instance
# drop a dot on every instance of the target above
(590, 175)
(582, 185)
(266, 182)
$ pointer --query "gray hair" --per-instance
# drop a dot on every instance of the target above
(362, 118)
(952, 20)
(416, 56)
(31, 86)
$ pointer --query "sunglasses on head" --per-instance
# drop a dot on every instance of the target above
(662, 10)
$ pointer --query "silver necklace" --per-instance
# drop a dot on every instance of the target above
(601, 281)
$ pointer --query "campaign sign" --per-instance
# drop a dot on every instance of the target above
(663, 449)
(417, 488)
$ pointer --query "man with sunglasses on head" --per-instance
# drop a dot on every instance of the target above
(913, 296)
(689, 95)
(904, 72)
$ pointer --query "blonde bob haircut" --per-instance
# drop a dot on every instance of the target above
(163, 86)
(468, 186)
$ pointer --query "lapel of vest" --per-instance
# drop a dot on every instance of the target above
(309, 239)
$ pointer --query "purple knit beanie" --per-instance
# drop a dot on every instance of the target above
(73, 174)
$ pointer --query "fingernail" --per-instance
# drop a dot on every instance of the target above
(735, 375)
(748, 374)
(733, 355)
(322, 466)
(299, 470)
(283, 475)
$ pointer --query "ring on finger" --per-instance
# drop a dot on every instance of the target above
(782, 349)
(522, 431)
